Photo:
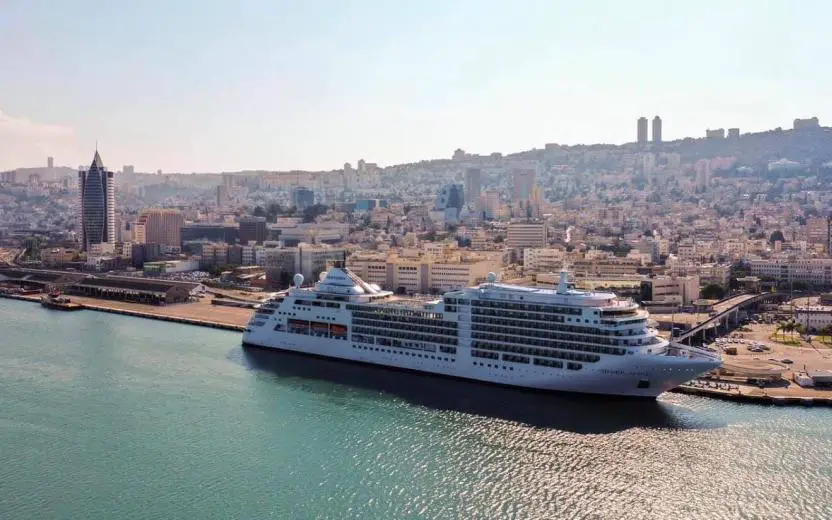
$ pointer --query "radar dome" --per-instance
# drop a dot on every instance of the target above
(322, 276)
(298, 279)
(492, 277)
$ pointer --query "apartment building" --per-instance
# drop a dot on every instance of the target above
(161, 226)
(718, 274)
(282, 263)
(407, 271)
(818, 232)
(812, 271)
(679, 290)
(214, 254)
(370, 267)
(542, 259)
(526, 234)
(610, 267)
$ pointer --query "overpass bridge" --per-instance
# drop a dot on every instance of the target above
(727, 311)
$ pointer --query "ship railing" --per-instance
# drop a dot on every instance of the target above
(691, 351)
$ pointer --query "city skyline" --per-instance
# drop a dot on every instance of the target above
(318, 95)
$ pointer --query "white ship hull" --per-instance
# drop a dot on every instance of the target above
(540, 339)
(612, 375)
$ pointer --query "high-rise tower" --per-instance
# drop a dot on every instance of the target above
(524, 183)
(98, 204)
(473, 184)
(642, 130)
(657, 130)
(161, 226)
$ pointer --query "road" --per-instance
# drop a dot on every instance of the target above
(730, 302)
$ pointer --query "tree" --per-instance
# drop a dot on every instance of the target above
(777, 236)
(799, 286)
(780, 327)
(259, 211)
(713, 291)
(789, 327)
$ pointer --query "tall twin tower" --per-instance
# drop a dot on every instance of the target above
(642, 130)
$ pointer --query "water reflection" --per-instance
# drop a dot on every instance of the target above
(569, 412)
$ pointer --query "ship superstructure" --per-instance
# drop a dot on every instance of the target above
(547, 339)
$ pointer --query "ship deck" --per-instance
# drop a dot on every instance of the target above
(412, 302)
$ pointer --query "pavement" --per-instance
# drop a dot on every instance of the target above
(812, 355)
(727, 304)
(255, 297)
(201, 310)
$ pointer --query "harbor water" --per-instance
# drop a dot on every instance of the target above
(106, 416)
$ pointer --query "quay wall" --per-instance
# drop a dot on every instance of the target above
(141, 314)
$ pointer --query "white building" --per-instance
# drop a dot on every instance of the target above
(423, 272)
(814, 271)
(680, 290)
(815, 318)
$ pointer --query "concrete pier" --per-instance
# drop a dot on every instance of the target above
(202, 314)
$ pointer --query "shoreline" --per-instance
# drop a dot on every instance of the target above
(103, 307)
(758, 399)
(765, 399)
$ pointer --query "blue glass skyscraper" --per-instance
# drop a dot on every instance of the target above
(98, 200)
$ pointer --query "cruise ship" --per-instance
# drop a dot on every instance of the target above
(558, 339)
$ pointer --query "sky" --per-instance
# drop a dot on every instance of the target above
(217, 85)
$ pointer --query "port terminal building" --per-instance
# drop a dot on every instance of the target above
(139, 290)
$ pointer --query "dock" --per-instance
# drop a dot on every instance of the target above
(116, 307)
(164, 317)
(754, 397)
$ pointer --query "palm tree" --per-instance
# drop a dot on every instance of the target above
(802, 331)
(827, 331)
(780, 327)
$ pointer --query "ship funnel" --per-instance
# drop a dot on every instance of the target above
(563, 283)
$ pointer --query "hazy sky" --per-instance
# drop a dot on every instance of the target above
(210, 85)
